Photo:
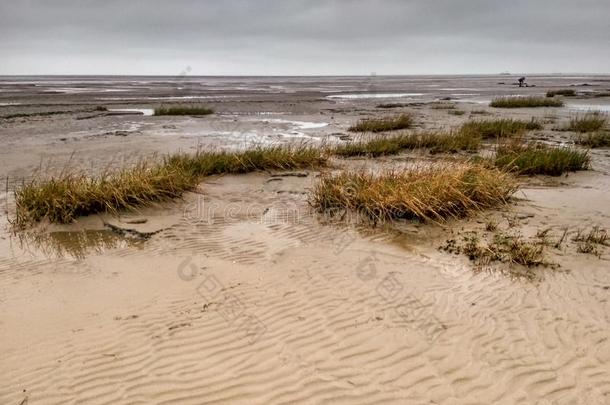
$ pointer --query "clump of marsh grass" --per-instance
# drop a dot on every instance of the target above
(183, 110)
(590, 122)
(35, 114)
(391, 105)
(456, 112)
(69, 196)
(206, 163)
(499, 128)
(535, 158)
(383, 124)
(64, 198)
(588, 242)
(594, 140)
(391, 145)
(525, 102)
(505, 248)
(516, 250)
(443, 106)
(512, 249)
(427, 193)
(562, 92)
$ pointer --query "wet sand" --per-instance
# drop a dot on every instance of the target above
(241, 294)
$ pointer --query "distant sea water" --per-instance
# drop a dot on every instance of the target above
(15, 90)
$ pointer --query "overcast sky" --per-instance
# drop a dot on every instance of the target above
(292, 37)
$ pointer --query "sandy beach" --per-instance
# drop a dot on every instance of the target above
(241, 293)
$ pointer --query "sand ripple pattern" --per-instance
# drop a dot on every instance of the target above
(332, 336)
(341, 316)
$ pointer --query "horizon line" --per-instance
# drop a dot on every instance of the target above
(312, 75)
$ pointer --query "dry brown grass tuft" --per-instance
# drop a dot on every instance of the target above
(64, 198)
(426, 193)
(391, 145)
(499, 127)
(442, 106)
(403, 121)
(391, 105)
(562, 92)
(68, 196)
(525, 102)
(511, 249)
(184, 110)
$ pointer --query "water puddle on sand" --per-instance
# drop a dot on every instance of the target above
(168, 98)
(300, 124)
(82, 90)
(458, 89)
(145, 111)
(589, 107)
(75, 244)
(373, 95)
(472, 101)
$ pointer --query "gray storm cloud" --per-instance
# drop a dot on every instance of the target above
(303, 37)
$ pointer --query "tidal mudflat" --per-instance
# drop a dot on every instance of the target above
(458, 256)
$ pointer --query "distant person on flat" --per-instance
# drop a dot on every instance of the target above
(521, 81)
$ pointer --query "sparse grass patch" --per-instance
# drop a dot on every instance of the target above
(184, 110)
(480, 112)
(426, 193)
(588, 242)
(562, 238)
(36, 114)
(456, 112)
(516, 250)
(442, 106)
(532, 158)
(562, 92)
(502, 248)
(205, 163)
(62, 199)
(491, 225)
(590, 122)
(391, 105)
(594, 140)
(525, 102)
(391, 145)
(499, 128)
(403, 121)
